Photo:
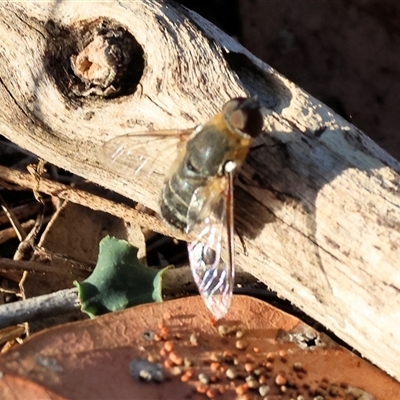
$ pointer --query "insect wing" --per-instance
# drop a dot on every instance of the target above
(143, 152)
(211, 264)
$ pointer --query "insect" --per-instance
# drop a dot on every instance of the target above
(197, 195)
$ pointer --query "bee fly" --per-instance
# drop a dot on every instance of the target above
(198, 193)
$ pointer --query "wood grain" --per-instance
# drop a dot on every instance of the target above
(317, 203)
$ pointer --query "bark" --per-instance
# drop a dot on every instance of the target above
(317, 203)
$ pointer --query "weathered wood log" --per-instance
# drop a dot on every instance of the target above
(317, 204)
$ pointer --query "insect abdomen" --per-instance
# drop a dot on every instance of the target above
(205, 153)
(175, 199)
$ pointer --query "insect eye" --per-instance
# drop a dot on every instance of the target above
(244, 114)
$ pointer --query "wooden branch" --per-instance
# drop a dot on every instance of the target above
(175, 281)
(48, 305)
(318, 205)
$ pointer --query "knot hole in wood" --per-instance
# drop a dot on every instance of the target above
(94, 59)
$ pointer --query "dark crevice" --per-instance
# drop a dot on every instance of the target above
(269, 89)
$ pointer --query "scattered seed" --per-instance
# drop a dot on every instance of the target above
(215, 378)
(187, 362)
(189, 373)
(240, 344)
(262, 380)
(236, 361)
(249, 367)
(258, 371)
(211, 393)
(163, 352)
(175, 358)
(219, 375)
(270, 357)
(334, 391)
(203, 378)
(239, 334)
(298, 366)
(269, 366)
(221, 389)
(168, 346)
(227, 356)
(291, 383)
(157, 337)
(224, 330)
(323, 386)
(300, 397)
(145, 375)
(231, 373)
(252, 383)
(202, 388)
(178, 336)
(357, 392)
(242, 389)
(256, 349)
(215, 366)
(194, 339)
(152, 358)
(164, 333)
(283, 355)
(168, 363)
(185, 377)
(141, 369)
(263, 390)
(319, 398)
(176, 371)
(300, 375)
(283, 389)
(249, 358)
(280, 379)
(321, 392)
(215, 357)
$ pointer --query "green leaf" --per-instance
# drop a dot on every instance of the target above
(119, 280)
